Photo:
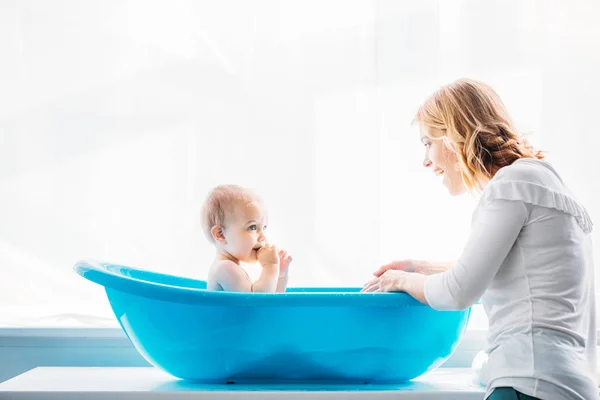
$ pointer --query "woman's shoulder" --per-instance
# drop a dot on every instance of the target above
(535, 182)
(530, 170)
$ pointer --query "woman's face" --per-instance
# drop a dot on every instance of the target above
(442, 160)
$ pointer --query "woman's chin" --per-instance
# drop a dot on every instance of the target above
(455, 190)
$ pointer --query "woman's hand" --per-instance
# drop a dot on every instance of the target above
(403, 265)
(419, 266)
(388, 281)
(395, 280)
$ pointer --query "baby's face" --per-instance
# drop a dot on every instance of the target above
(245, 230)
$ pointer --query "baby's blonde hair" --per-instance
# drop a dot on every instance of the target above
(475, 124)
(220, 202)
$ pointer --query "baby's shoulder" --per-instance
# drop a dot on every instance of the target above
(221, 270)
(226, 269)
(224, 266)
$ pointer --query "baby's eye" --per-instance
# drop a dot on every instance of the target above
(264, 228)
(252, 227)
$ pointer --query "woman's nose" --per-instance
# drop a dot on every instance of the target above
(426, 163)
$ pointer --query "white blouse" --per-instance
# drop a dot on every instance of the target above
(529, 259)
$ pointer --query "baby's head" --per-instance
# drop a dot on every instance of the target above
(234, 219)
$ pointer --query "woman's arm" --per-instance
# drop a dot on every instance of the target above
(426, 267)
(492, 236)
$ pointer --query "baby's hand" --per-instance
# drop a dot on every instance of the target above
(267, 255)
(284, 263)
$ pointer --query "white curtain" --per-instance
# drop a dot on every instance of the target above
(117, 117)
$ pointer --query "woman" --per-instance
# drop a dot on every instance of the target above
(528, 257)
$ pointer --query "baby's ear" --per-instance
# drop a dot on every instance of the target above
(217, 234)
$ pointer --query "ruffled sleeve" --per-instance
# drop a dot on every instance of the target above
(520, 184)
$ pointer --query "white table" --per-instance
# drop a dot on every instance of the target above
(102, 383)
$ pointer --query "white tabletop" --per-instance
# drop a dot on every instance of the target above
(96, 383)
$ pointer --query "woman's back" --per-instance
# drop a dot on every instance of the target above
(543, 326)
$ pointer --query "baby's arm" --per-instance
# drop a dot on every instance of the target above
(284, 263)
(267, 282)
(282, 284)
(268, 257)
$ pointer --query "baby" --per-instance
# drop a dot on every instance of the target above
(234, 220)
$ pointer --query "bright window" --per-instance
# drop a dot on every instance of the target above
(117, 117)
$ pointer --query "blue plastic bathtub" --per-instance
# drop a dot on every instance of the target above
(303, 335)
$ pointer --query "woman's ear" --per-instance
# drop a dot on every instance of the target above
(218, 234)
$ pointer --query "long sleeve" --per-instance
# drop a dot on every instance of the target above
(493, 234)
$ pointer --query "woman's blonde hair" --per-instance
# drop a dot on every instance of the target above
(475, 125)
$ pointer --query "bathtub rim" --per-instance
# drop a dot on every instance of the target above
(104, 273)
